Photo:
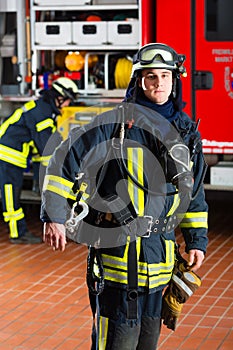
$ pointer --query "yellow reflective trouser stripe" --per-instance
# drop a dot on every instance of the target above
(16, 116)
(135, 167)
(44, 124)
(102, 334)
(11, 215)
(13, 156)
(194, 220)
(59, 185)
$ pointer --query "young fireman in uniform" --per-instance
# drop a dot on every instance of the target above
(28, 128)
(134, 262)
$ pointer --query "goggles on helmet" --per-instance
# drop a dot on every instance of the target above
(159, 56)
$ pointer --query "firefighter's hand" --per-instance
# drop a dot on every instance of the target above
(195, 259)
(55, 235)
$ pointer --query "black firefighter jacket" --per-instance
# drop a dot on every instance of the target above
(27, 129)
(147, 136)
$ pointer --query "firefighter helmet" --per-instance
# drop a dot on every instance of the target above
(157, 55)
(65, 87)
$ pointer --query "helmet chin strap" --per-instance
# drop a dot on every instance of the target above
(174, 87)
(59, 101)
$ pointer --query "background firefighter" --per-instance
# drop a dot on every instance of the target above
(24, 132)
(136, 272)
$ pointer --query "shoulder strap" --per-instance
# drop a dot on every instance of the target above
(106, 162)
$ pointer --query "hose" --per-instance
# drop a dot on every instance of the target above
(122, 72)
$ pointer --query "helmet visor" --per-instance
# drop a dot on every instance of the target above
(156, 53)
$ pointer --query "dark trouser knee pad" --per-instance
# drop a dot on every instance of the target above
(150, 332)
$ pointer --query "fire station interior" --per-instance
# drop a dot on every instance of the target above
(43, 294)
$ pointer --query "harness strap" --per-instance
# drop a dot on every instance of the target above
(132, 290)
(164, 225)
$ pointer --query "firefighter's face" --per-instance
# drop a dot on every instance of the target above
(66, 103)
(157, 84)
(61, 102)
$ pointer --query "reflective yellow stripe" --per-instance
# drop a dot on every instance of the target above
(14, 214)
(34, 149)
(113, 261)
(16, 116)
(138, 247)
(13, 156)
(11, 215)
(103, 331)
(60, 192)
(175, 204)
(59, 185)
(29, 105)
(149, 275)
(135, 167)
(194, 220)
(41, 159)
(44, 124)
(82, 189)
(45, 160)
(159, 280)
(116, 276)
(13, 119)
(161, 273)
(36, 159)
(143, 280)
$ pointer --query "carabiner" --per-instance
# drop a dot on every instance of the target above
(74, 219)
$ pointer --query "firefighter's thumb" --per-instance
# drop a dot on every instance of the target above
(191, 256)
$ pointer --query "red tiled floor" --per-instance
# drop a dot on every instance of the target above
(44, 303)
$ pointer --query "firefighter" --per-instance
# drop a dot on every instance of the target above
(151, 175)
(28, 128)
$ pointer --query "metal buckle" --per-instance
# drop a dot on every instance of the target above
(150, 223)
(128, 220)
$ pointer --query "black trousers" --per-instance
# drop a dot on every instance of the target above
(115, 332)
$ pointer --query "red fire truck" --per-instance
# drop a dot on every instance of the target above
(203, 31)
(200, 29)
